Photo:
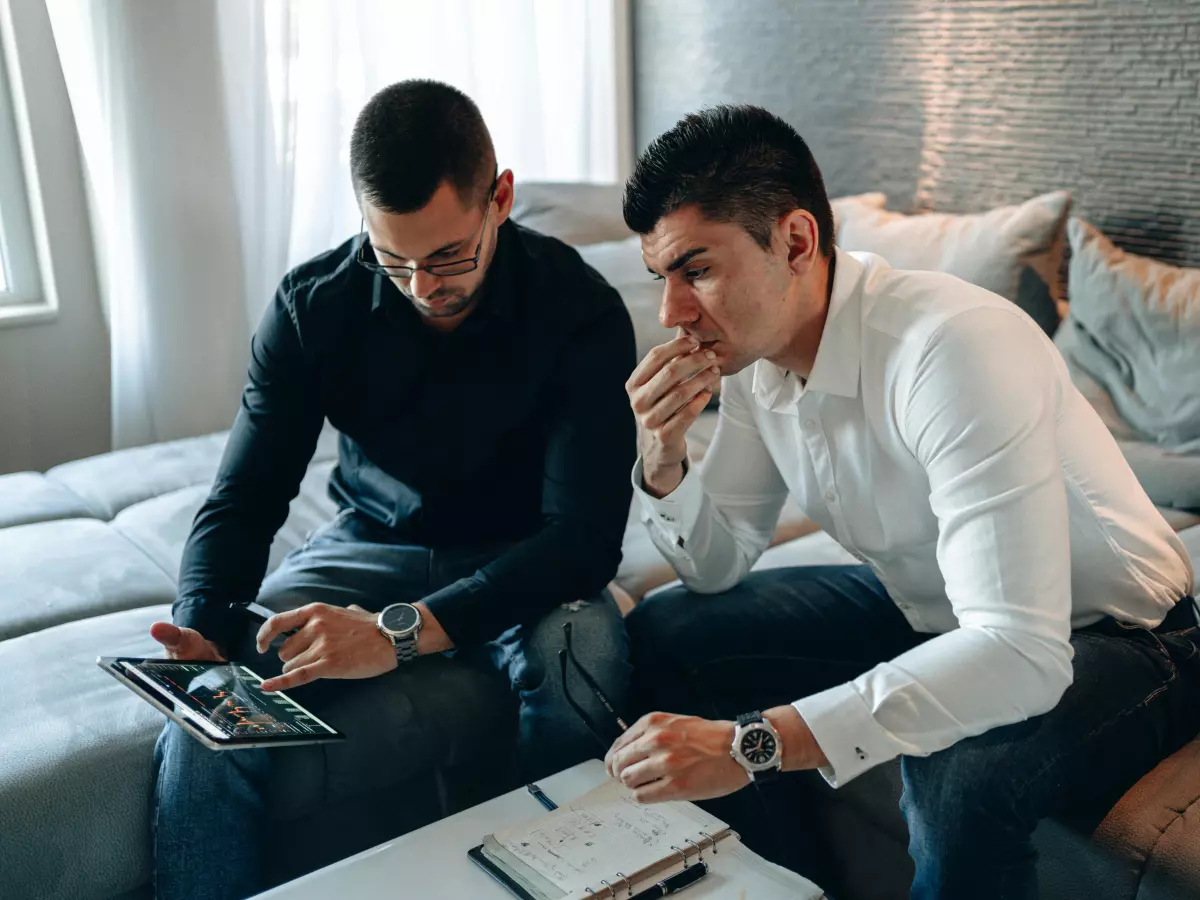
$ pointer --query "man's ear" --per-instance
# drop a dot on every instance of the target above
(802, 237)
(504, 196)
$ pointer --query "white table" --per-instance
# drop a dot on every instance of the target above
(431, 863)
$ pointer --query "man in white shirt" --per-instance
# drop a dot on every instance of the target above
(1005, 633)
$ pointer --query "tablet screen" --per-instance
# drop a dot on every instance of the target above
(226, 700)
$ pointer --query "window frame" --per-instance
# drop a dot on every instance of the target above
(20, 281)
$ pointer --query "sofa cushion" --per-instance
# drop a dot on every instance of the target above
(575, 213)
(76, 781)
(1014, 251)
(160, 526)
(32, 497)
(112, 481)
(60, 571)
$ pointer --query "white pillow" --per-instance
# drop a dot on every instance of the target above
(1013, 251)
(574, 213)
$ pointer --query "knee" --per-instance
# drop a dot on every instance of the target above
(598, 640)
(956, 791)
(659, 621)
(181, 759)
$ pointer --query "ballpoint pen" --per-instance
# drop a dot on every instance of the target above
(541, 797)
(674, 884)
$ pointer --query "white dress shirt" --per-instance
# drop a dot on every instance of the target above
(940, 441)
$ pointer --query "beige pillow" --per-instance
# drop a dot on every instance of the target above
(1013, 251)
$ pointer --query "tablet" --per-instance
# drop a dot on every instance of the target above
(222, 705)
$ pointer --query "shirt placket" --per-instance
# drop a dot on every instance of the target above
(812, 432)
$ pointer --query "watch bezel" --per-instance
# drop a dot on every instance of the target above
(404, 633)
(739, 735)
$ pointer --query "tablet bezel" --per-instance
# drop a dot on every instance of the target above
(165, 704)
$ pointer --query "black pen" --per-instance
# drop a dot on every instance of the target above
(675, 883)
(541, 797)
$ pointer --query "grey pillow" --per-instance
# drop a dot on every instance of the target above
(620, 262)
(1132, 344)
(574, 213)
(1013, 251)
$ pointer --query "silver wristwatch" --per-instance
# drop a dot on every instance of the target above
(757, 747)
(400, 623)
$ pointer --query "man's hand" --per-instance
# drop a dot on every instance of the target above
(668, 391)
(330, 642)
(669, 757)
(184, 643)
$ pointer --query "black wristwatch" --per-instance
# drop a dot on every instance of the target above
(757, 747)
(400, 623)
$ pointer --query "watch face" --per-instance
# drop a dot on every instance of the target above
(758, 747)
(401, 618)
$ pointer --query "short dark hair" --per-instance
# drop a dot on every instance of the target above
(412, 136)
(738, 164)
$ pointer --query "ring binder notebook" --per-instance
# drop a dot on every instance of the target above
(607, 846)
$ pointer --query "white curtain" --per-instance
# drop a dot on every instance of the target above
(215, 135)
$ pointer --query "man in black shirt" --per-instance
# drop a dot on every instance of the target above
(475, 371)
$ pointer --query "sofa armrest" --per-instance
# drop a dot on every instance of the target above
(1155, 828)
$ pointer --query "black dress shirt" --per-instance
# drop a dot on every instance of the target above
(513, 430)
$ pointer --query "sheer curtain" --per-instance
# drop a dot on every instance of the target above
(215, 136)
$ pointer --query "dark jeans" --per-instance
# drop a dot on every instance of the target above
(971, 809)
(213, 809)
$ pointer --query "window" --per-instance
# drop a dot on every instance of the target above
(19, 282)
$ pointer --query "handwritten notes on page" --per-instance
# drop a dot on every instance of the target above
(602, 833)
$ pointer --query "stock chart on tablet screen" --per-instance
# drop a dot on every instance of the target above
(230, 699)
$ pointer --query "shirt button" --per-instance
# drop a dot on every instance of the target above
(860, 753)
(831, 496)
(667, 518)
(810, 423)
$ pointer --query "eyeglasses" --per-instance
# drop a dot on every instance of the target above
(440, 270)
(597, 731)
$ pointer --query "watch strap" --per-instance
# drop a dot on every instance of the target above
(406, 649)
(749, 718)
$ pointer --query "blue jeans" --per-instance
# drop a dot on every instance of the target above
(214, 809)
(971, 808)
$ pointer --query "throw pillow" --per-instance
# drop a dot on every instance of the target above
(574, 213)
(1134, 328)
(1013, 251)
(620, 262)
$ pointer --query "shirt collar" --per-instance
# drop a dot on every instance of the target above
(835, 370)
(498, 290)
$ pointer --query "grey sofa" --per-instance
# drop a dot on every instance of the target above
(89, 554)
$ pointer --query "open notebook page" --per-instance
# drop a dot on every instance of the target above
(602, 833)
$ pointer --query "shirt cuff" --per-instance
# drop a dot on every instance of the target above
(462, 612)
(675, 515)
(847, 733)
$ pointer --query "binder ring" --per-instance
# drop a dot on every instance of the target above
(628, 884)
(682, 855)
(712, 840)
(699, 849)
(593, 893)
(612, 891)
